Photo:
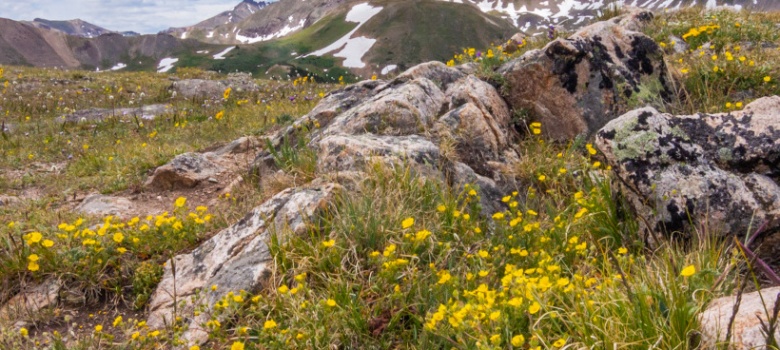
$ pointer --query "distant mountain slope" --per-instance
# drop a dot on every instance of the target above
(26, 44)
(534, 16)
(369, 38)
(75, 27)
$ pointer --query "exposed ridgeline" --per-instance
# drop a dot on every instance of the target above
(213, 27)
(251, 22)
(25, 44)
(75, 27)
(535, 16)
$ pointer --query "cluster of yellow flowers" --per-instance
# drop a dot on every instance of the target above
(696, 31)
(113, 236)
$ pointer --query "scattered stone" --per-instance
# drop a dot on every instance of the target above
(8, 200)
(235, 259)
(185, 171)
(746, 331)
(574, 86)
(100, 205)
(679, 172)
(215, 88)
(149, 112)
(30, 300)
(678, 44)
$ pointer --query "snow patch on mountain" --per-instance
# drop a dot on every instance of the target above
(166, 64)
(118, 66)
(353, 49)
(287, 29)
(388, 69)
(221, 54)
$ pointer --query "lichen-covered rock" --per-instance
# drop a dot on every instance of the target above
(682, 171)
(98, 204)
(746, 331)
(576, 85)
(184, 171)
(235, 259)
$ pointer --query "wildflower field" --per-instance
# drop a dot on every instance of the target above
(399, 262)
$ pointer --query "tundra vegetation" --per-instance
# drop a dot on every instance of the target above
(399, 262)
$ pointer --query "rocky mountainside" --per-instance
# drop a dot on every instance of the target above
(25, 44)
(535, 16)
(251, 22)
(75, 27)
(212, 25)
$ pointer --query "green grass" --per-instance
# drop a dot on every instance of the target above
(732, 71)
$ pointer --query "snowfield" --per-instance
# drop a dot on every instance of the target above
(118, 66)
(221, 55)
(289, 28)
(166, 64)
(388, 69)
(353, 49)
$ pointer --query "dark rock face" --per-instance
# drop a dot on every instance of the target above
(683, 171)
(576, 85)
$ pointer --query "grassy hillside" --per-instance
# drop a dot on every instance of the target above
(410, 32)
(399, 261)
(407, 32)
(277, 58)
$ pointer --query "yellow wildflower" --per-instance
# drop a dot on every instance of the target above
(688, 271)
(407, 223)
(269, 324)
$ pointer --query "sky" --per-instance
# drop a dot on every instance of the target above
(142, 16)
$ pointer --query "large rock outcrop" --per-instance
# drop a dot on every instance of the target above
(683, 171)
(576, 85)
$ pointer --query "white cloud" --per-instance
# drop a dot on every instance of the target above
(143, 16)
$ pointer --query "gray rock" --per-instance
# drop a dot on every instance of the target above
(30, 300)
(682, 171)
(235, 259)
(678, 44)
(435, 71)
(8, 200)
(214, 88)
(576, 85)
(478, 120)
(98, 204)
(185, 171)
(149, 112)
(405, 109)
(199, 88)
(746, 332)
(353, 152)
